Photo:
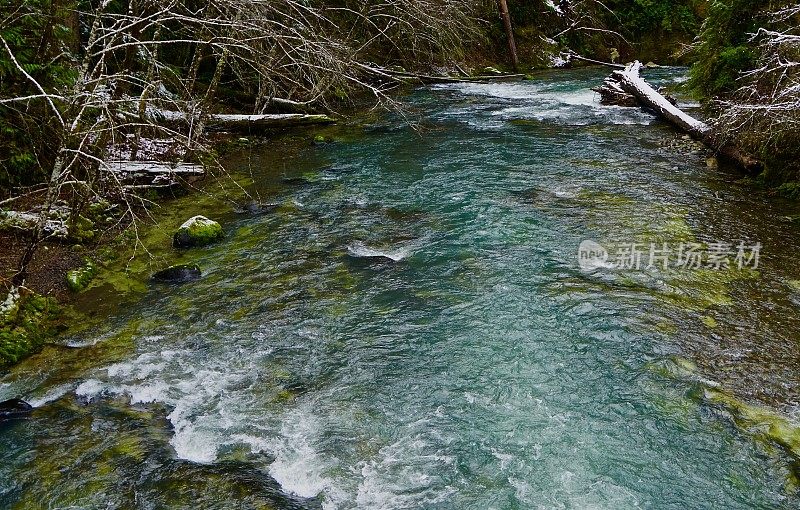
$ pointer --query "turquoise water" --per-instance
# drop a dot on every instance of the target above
(473, 365)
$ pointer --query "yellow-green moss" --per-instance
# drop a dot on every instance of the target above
(764, 424)
(198, 231)
(79, 279)
(709, 321)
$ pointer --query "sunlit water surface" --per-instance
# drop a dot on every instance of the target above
(473, 365)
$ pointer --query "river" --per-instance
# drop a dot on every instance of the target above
(410, 327)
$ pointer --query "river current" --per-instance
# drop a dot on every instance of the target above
(409, 327)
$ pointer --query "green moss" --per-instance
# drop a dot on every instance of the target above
(768, 427)
(27, 326)
(764, 424)
(79, 279)
(82, 230)
(284, 396)
(605, 199)
(700, 289)
(667, 327)
(709, 321)
(674, 367)
(198, 231)
(789, 190)
(99, 211)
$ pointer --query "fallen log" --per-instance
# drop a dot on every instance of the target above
(575, 56)
(287, 105)
(135, 175)
(244, 123)
(628, 81)
(134, 169)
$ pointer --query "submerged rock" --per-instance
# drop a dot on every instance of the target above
(14, 408)
(304, 180)
(197, 231)
(254, 207)
(178, 274)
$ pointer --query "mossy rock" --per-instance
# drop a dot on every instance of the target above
(14, 408)
(82, 230)
(197, 231)
(99, 210)
(790, 190)
(709, 321)
(26, 326)
(79, 279)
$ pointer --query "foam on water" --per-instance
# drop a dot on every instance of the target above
(52, 395)
(359, 249)
(403, 475)
(298, 467)
(533, 101)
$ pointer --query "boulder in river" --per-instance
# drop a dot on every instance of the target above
(14, 408)
(197, 231)
(178, 274)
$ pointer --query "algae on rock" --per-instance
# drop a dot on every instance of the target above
(197, 231)
(79, 279)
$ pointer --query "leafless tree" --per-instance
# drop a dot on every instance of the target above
(765, 110)
(130, 78)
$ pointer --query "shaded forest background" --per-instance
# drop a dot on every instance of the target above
(68, 67)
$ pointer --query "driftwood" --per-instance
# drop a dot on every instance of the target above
(139, 175)
(626, 86)
(244, 123)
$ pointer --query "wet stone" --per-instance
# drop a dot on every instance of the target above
(178, 274)
(14, 408)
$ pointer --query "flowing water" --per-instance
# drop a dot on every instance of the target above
(410, 328)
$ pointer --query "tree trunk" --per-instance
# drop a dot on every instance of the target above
(629, 81)
(512, 46)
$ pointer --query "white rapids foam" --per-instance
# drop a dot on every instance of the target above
(535, 101)
(359, 249)
(52, 395)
